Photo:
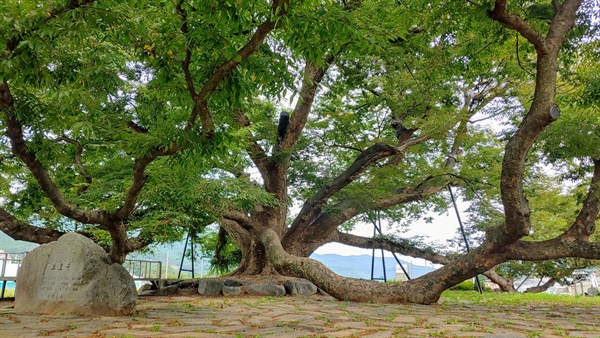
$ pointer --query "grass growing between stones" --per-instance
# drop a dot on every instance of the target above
(493, 299)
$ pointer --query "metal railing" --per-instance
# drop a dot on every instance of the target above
(9, 265)
(144, 270)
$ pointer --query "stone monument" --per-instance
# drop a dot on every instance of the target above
(73, 275)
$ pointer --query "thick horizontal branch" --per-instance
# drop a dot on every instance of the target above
(396, 246)
(239, 217)
(26, 232)
(552, 249)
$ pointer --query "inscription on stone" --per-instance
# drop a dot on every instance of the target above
(62, 281)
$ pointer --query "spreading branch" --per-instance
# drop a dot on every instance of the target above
(313, 75)
(257, 154)
(239, 217)
(380, 150)
(18, 230)
(402, 247)
(279, 9)
(79, 163)
(585, 223)
(19, 147)
(515, 22)
(516, 207)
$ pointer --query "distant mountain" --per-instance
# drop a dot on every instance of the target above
(9, 245)
(360, 266)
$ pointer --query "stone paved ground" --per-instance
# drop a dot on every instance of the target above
(192, 316)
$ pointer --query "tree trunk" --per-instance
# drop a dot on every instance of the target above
(541, 288)
(505, 284)
(120, 243)
(254, 261)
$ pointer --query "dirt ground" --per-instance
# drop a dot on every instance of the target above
(316, 316)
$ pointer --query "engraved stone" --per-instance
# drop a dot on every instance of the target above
(73, 275)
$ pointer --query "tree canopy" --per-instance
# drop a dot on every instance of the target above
(286, 122)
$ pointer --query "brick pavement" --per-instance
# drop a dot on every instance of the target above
(193, 316)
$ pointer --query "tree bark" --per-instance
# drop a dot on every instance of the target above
(26, 232)
(505, 284)
(541, 288)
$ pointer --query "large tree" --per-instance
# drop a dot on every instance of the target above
(139, 121)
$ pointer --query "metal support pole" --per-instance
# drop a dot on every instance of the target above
(462, 231)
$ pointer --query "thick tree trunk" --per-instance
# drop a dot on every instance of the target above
(120, 243)
(255, 261)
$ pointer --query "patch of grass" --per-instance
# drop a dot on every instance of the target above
(402, 330)
(392, 315)
(581, 327)
(477, 327)
(452, 321)
(154, 328)
(534, 334)
(366, 320)
(493, 299)
(439, 333)
(557, 330)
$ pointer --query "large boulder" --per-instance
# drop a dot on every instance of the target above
(73, 275)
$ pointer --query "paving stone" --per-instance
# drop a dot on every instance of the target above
(289, 317)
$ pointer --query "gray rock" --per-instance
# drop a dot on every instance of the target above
(185, 284)
(300, 287)
(232, 290)
(592, 291)
(144, 287)
(233, 282)
(265, 290)
(148, 292)
(73, 276)
(187, 292)
(169, 282)
(210, 287)
(168, 290)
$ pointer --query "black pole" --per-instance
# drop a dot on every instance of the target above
(183, 256)
(382, 254)
(393, 254)
(192, 248)
(462, 231)
(373, 256)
